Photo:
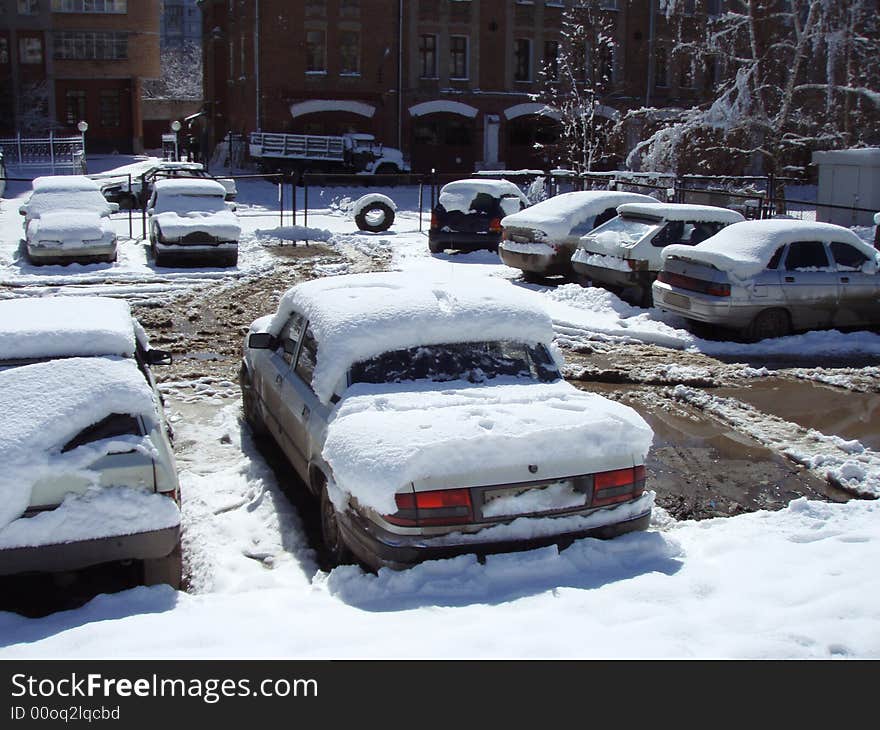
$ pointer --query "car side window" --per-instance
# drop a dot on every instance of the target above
(847, 257)
(806, 255)
(674, 232)
(483, 203)
(777, 257)
(116, 424)
(308, 355)
(289, 337)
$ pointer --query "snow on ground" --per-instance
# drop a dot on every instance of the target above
(798, 583)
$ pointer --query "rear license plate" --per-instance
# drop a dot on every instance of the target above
(552, 497)
(677, 300)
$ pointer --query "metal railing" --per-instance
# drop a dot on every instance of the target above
(57, 154)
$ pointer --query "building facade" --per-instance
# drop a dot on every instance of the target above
(451, 82)
(66, 61)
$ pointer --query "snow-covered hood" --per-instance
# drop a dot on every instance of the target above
(223, 224)
(438, 435)
(70, 227)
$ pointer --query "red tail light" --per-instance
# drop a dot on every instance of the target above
(620, 485)
(439, 507)
(495, 225)
(632, 263)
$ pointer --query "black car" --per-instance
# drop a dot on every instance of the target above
(468, 214)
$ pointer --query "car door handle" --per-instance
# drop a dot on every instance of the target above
(278, 379)
(789, 279)
(844, 279)
(306, 412)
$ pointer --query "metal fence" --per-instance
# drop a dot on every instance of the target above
(56, 154)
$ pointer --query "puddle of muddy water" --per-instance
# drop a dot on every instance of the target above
(830, 410)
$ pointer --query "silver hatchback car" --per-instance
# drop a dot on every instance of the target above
(770, 278)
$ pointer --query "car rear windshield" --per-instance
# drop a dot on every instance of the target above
(629, 229)
(476, 362)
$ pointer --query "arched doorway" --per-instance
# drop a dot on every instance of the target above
(531, 142)
(444, 137)
(331, 117)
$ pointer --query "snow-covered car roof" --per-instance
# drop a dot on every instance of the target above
(189, 186)
(46, 404)
(459, 195)
(47, 327)
(135, 169)
(56, 183)
(69, 225)
(744, 249)
(681, 212)
(360, 316)
(557, 216)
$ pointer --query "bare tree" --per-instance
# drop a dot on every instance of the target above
(794, 76)
(33, 109)
(574, 83)
(181, 74)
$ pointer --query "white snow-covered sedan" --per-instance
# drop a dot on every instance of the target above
(430, 419)
(67, 220)
(191, 222)
(88, 474)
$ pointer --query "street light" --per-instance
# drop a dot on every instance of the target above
(175, 127)
(83, 127)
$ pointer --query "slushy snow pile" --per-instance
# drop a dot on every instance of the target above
(358, 317)
(559, 216)
(744, 249)
(46, 327)
(46, 404)
(383, 438)
(458, 195)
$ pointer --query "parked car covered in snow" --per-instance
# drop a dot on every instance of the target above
(191, 222)
(625, 253)
(115, 184)
(88, 472)
(541, 239)
(67, 220)
(430, 419)
(772, 277)
(468, 213)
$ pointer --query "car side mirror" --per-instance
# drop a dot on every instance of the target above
(158, 357)
(261, 341)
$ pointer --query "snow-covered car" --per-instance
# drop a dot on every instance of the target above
(772, 277)
(88, 474)
(626, 252)
(190, 221)
(541, 239)
(67, 220)
(115, 184)
(468, 214)
(430, 419)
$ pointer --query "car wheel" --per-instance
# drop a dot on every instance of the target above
(157, 259)
(331, 534)
(250, 406)
(768, 324)
(375, 218)
(167, 570)
(532, 277)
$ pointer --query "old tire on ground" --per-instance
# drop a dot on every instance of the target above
(167, 570)
(337, 551)
(249, 405)
(768, 324)
(375, 217)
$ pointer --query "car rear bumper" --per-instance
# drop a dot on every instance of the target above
(45, 255)
(545, 264)
(703, 308)
(465, 241)
(197, 251)
(378, 548)
(83, 553)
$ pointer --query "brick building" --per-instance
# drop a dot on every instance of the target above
(68, 61)
(451, 82)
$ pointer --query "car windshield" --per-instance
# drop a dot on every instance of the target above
(629, 229)
(476, 362)
(43, 202)
(189, 203)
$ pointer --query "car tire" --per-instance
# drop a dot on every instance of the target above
(331, 534)
(250, 407)
(383, 224)
(167, 570)
(435, 247)
(768, 324)
(157, 259)
(532, 277)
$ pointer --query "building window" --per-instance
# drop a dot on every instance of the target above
(713, 7)
(712, 72)
(110, 108)
(522, 59)
(4, 51)
(74, 106)
(458, 57)
(551, 60)
(30, 50)
(349, 52)
(316, 52)
(90, 6)
(90, 45)
(661, 67)
(428, 56)
(690, 7)
(686, 78)
(608, 5)
(28, 7)
(607, 65)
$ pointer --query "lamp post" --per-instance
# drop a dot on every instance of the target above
(83, 127)
(175, 127)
